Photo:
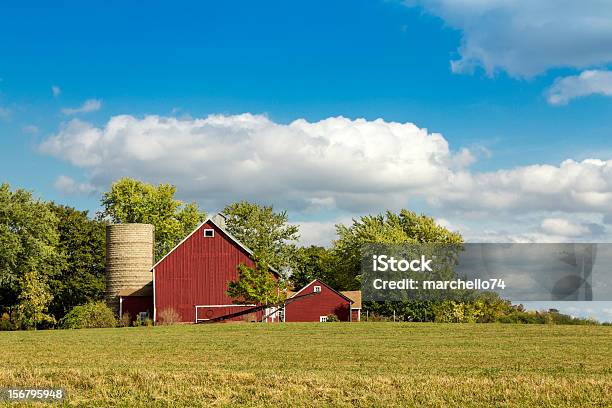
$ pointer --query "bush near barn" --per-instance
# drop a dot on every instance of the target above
(90, 315)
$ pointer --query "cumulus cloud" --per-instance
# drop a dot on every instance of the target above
(525, 38)
(563, 227)
(318, 232)
(587, 83)
(336, 164)
(90, 105)
(573, 186)
(56, 90)
(69, 186)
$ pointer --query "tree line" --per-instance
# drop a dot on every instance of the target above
(52, 257)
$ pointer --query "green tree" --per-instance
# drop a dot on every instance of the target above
(268, 234)
(34, 299)
(82, 243)
(313, 262)
(28, 242)
(133, 201)
(255, 285)
(406, 227)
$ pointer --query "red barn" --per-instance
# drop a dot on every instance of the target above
(192, 278)
(316, 308)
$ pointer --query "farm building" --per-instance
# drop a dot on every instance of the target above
(327, 302)
(192, 279)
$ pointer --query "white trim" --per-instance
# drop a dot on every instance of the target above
(120, 307)
(322, 319)
(317, 287)
(209, 306)
(209, 230)
(296, 293)
(154, 306)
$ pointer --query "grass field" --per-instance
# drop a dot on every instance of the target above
(328, 364)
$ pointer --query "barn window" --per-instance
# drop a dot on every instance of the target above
(322, 319)
(209, 233)
(317, 289)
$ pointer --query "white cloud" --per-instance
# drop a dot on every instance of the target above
(587, 83)
(56, 90)
(563, 227)
(67, 185)
(317, 233)
(336, 162)
(524, 37)
(90, 105)
(584, 186)
(334, 166)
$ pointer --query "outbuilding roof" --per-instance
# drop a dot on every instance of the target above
(355, 296)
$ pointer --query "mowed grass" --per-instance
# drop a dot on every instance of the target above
(326, 364)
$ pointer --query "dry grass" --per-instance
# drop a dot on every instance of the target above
(329, 364)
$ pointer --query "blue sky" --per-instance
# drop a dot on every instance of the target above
(513, 89)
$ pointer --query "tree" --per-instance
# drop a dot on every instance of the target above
(28, 239)
(406, 227)
(133, 201)
(268, 234)
(255, 285)
(34, 299)
(313, 262)
(82, 244)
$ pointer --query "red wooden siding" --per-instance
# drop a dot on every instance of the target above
(197, 273)
(133, 305)
(310, 309)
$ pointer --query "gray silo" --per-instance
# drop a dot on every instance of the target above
(129, 258)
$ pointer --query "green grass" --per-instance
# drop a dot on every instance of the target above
(328, 364)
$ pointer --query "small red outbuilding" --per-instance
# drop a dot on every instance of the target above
(318, 307)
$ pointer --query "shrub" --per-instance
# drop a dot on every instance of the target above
(89, 315)
(124, 321)
(5, 323)
(168, 316)
(332, 318)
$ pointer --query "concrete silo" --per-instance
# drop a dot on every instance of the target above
(129, 258)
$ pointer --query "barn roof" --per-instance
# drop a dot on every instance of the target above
(355, 296)
(293, 294)
(214, 220)
(146, 290)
